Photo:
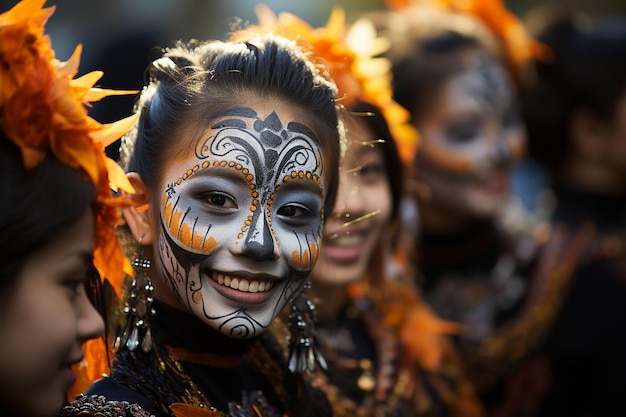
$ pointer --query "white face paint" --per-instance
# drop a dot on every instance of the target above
(471, 138)
(241, 219)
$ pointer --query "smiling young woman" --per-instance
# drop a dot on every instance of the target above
(234, 162)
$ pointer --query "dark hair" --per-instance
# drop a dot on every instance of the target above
(36, 206)
(419, 77)
(189, 85)
(427, 48)
(587, 70)
(377, 123)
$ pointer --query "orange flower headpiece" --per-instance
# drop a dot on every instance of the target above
(517, 45)
(42, 110)
(351, 59)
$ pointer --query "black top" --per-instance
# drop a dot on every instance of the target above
(587, 346)
(188, 356)
(574, 360)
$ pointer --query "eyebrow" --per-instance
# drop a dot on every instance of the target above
(308, 184)
(223, 171)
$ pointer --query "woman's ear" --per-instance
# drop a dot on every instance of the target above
(138, 215)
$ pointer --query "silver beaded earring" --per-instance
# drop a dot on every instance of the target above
(138, 306)
(303, 352)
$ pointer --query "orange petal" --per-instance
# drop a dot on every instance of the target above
(87, 81)
(117, 177)
(97, 94)
(71, 65)
(111, 132)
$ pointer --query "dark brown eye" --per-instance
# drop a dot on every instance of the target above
(288, 211)
(292, 210)
(221, 200)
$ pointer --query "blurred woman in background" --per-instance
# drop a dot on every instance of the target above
(575, 111)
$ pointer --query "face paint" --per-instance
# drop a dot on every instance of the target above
(471, 138)
(241, 219)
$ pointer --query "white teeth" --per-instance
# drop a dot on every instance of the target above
(346, 240)
(242, 284)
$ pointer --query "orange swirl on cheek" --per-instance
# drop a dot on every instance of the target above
(167, 209)
(185, 237)
(174, 222)
(296, 260)
(305, 260)
(197, 297)
(183, 232)
(314, 253)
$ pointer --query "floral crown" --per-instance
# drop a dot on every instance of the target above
(42, 111)
(517, 45)
(351, 59)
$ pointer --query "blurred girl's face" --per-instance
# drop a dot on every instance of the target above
(471, 137)
(361, 212)
(44, 323)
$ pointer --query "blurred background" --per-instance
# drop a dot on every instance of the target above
(120, 36)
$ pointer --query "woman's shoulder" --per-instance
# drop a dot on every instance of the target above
(112, 398)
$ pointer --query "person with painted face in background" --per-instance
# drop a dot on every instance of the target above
(234, 161)
(386, 352)
(58, 214)
(575, 110)
(456, 68)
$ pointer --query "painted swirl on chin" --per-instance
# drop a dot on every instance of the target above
(190, 280)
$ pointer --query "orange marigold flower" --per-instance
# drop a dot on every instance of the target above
(350, 57)
(43, 111)
(517, 45)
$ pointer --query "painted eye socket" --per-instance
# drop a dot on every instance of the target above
(221, 200)
(464, 130)
(293, 211)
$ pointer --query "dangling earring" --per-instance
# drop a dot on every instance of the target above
(303, 352)
(138, 307)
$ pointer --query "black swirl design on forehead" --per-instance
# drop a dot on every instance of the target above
(269, 149)
(272, 154)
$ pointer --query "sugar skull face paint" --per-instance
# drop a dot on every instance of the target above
(241, 218)
(471, 138)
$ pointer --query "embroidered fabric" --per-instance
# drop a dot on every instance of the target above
(99, 406)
